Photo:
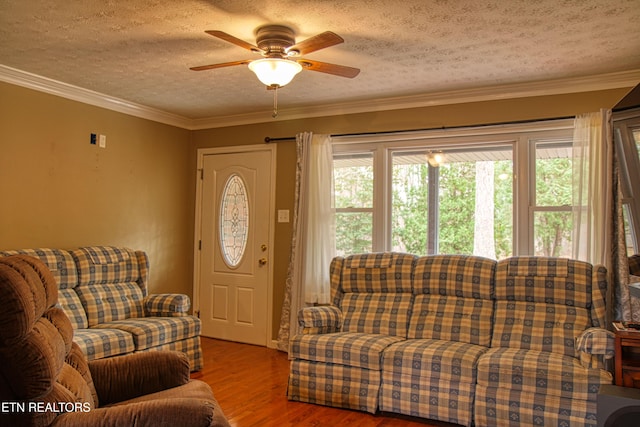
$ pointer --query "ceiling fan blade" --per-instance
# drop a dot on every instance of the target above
(325, 67)
(221, 65)
(234, 40)
(314, 43)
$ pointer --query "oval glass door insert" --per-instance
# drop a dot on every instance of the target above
(234, 220)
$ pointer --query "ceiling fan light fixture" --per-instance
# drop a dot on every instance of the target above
(275, 71)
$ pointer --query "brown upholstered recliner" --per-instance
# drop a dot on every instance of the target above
(45, 378)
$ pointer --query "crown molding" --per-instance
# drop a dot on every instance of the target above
(606, 81)
(86, 96)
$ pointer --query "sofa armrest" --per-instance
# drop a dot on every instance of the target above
(153, 413)
(169, 305)
(323, 319)
(125, 377)
(593, 346)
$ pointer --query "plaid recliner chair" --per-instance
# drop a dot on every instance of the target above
(48, 381)
(534, 373)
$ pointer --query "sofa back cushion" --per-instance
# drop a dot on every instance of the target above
(542, 303)
(112, 282)
(374, 292)
(63, 268)
(453, 299)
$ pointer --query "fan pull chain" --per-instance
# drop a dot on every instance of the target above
(275, 102)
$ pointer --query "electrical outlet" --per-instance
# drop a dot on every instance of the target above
(102, 141)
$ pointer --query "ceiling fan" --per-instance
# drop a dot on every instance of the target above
(281, 55)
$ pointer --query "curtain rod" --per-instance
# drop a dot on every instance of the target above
(515, 122)
(285, 138)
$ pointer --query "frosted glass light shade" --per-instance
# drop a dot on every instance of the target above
(275, 71)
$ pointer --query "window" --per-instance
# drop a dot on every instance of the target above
(353, 192)
(552, 205)
(453, 201)
(234, 220)
(456, 191)
(627, 138)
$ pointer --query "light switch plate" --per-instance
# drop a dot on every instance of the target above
(283, 215)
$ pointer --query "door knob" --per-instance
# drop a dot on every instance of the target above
(263, 247)
(262, 261)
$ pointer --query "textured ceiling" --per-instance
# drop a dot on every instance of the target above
(140, 50)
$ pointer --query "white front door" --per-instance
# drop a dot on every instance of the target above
(235, 265)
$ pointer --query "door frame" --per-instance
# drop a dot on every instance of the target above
(201, 153)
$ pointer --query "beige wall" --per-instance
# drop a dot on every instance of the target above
(60, 191)
(429, 117)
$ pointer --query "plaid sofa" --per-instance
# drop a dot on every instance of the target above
(103, 291)
(460, 339)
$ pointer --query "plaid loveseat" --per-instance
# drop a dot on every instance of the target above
(461, 339)
(103, 291)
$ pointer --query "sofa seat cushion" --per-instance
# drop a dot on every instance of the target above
(436, 359)
(540, 372)
(432, 379)
(153, 331)
(342, 348)
(100, 343)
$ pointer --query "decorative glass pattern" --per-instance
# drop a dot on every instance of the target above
(234, 220)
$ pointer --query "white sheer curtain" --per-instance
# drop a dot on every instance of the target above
(319, 235)
(593, 188)
(313, 235)
(599, 235)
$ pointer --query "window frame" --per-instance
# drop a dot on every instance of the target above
(533, 203)
(518, 136)
(624, 123)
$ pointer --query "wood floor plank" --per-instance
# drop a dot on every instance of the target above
(250, 383)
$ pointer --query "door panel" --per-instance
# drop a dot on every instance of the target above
(234, 266)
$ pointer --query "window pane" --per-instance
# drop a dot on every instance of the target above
(552, 233)
(473, 202)
(353, 181)
(553, 174)
(409, 209)
(354, 233)
(476, 203)
(234, 220)
(629, 232)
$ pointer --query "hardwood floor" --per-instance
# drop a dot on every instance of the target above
(250, 383)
